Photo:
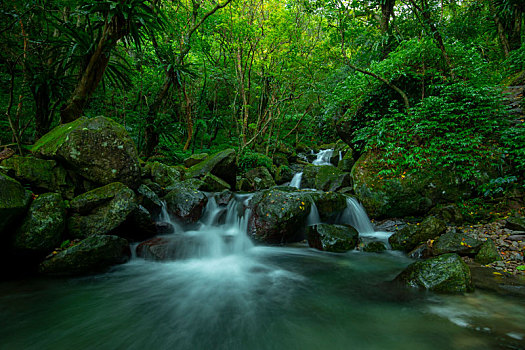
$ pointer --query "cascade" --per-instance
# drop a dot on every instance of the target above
(355, 215)
(323, 157)
(296, 180)
(313, 217)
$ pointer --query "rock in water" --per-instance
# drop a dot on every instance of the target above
(43, 225)
(325, 178)
(101, 211)
(14, 200)
(411, 236)
(222, 164)
(98, 149)
(93, 254)
(186, 203)
(444, 274)
(332, 238)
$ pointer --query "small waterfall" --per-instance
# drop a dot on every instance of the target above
(323, 157)
(355, 215)
(340, 156)
(296, 180)
(313, 217)
(164, 215)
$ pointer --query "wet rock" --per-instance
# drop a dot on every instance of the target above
(214, 184)
(164, 228)
(444, 274)
(41, 174)
(515, 223)
(195, 159)
(278, 215)
(14, 201)
(330, 205)
(374, 247)
(163, 174)
(101, 211)
(98, 149)
(422, 251)
(259, 178)
(332, 238)
(186, 204)
(43, 226)
(411, 236)
(347, 162)
(283, 174)
(139, 225)
(390, 225)
(490, 279)
(449, 213)
(92, 255)
(224, 197)
(221, 164)
(456, 242)
(488, 253)
(325, 178)
(150, 200)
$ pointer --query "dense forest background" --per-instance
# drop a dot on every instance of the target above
(421, 83)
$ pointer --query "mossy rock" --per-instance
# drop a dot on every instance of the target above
(41, 174)
(280, 159)
(325, 178)
(283, 174)
(163, 174)
(186, 203)
(43, 226)
(332, 238)
(443, 274)
(278, 215)
(515, 223)
(14, 201)
(410, 236)
(456, 242)
(149, 199)
(92, 255)
(488, 253)
(260, 178)
(347, 162)
(214, 184)
(101, 211)
(374, 247)
(330, 205)
(222, 164)
(195, 159)
(98, 149)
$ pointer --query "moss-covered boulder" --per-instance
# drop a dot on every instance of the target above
(410, 236)
(332, 238)
(259, 178)
(163, 174)
(92, 255)
(278, 215)
(149, 199)
(14, 200)
(406, 194)
(515, 223)
(283, 174)
(195, 159)
(443, 274)
(330, 205)
(325, 178)
(41, 174)
(43, 226)
(488, 253)
(222, 164)
(101, 211)
(214, 184)
(186, 203)
(98, 149)
(456, 242)
(347, 162)
(374, 247)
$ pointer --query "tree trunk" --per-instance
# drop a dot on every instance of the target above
(500, 29)
(387, 10)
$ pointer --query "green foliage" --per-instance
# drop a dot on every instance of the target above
(250, 160)
(498, 186)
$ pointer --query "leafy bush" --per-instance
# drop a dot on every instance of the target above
(249, 160)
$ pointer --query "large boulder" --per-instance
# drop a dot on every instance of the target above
(101, 211)
(325, 178)
(408, 194)
(278, 215)
(93, 254)
(222, 164)
(43, 226)
(41, 174)
(98, 149)
(347, 162)
(195, 159)
(332, 238)
(14, 200)
(456, 242)
(150, 200)
(186, 203)
(163, 174)
(444, 274)
(259, 178)
(410, 236)
(214, 184)
(330, 205)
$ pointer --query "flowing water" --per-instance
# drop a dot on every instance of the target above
(230, 294)
(323, 158)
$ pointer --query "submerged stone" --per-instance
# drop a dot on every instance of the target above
(374, 247)
(92, 255)
(332, 238)
(444, 274)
